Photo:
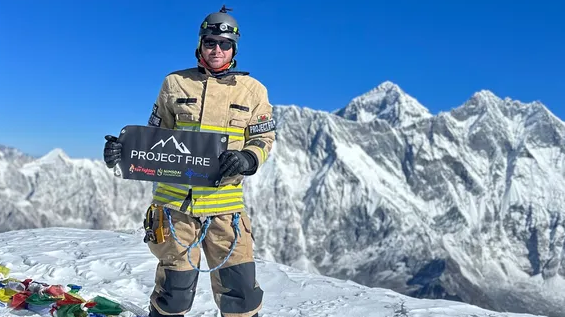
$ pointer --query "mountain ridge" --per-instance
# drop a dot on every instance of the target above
(387, 102)
(464, 204)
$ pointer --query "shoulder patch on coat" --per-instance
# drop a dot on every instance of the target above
(154, 119)
(263, 117)
(262, 127)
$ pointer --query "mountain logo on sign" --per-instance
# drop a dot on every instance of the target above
(179, 146)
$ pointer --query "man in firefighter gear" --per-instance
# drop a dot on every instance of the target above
(211, 97)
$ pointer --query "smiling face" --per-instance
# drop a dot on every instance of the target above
(217, 51)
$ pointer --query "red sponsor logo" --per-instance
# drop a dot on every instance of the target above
(141, 169)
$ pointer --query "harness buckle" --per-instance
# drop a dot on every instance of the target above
(154, 235)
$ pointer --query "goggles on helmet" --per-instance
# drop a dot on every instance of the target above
(219, 28)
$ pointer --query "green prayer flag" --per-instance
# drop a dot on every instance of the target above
(72, 310)
(37, 299)
(105, 306)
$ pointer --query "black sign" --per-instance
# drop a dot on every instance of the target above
(173, 156)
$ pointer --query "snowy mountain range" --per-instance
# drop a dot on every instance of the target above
(464, 205)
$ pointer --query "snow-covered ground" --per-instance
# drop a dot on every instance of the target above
(119, 266)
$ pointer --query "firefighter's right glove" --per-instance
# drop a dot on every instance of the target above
(237, 162)
(112, 151)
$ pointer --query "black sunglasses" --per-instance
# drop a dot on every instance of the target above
(211, 43)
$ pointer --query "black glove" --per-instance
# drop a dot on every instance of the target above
(237, 162)
(112, 151)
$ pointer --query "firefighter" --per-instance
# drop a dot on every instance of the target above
(211, 97)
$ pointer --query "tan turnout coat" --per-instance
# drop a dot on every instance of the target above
(237, 105)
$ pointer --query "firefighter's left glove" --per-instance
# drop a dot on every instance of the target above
(237, 162)
(112, 151)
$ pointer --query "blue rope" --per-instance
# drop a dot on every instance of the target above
(235, 224)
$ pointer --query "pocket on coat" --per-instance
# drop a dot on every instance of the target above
(239, 113)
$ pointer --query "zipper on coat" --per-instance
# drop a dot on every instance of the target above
(205, 84)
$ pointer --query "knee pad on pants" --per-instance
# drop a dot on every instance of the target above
(241, 293)
(176, 293)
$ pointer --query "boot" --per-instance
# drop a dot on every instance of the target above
(256, 315)
(155, 313)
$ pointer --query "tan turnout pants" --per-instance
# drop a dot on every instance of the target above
(236, 291)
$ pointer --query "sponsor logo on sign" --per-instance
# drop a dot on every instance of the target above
(191, 173)
(141, 169)
(168, 173)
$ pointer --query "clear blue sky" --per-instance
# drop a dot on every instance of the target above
(73, 71)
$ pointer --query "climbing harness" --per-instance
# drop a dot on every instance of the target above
(205, 225)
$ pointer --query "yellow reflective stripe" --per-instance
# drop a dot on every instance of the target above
(219, 195)
(235, 137)
(201, 190)
(263, 154)
(179, 190)
(212, 193)
(231, 131)
(218, 202)
(220, 209)
(168, 201)
(234, 133)
(207, 207)
(188, 124)
(171, 194)
(218, 205)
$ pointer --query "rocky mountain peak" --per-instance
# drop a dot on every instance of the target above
(485, 103)
(13, 155)
(387, 102)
